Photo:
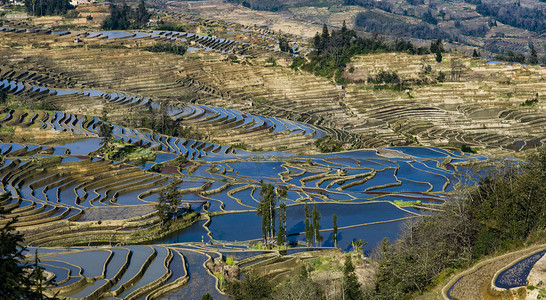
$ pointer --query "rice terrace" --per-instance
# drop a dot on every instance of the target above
(274, 149)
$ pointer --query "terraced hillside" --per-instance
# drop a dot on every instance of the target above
(62, 196)
(490, 105)
(484, 101)
(86, 158)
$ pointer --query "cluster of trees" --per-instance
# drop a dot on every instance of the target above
(505, 209)
(158, 120)
(168, 47)
(268, 5)
(301, 286)
(284, 46)
(312, 226)
(332, 50)
(437, 47)
(47, 7)
(532, 19)
(123, 17)
(374, 22)
(520, 57)
(168, 204)
(267, 209)
(20, 279)
(270, 196)
(385, 77)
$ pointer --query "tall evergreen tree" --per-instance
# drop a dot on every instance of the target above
(266, 209)
(317, 43)
(142, 15)
(334, 230)
(316, 226)
(324, 38)
(438, 55)
(351, 286)
(281, 234)
(168, 203)
(309, 232)
(16, 280)
(533, 58)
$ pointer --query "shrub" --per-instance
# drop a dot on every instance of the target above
(230, 262)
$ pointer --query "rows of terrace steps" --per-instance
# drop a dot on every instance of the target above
(31, 212)
(78, 124)
(414, 116)
(135, 73)
(47, 120)
(210, 124)
(37, 76)
(88, 176)
(278, 267)
(43, 222)
(310, 100)
(256, 31)
(310, 93)
(76, 127)
(408, 65)
(220, 45)
(138, 272)
(472, 135)
(30, 38)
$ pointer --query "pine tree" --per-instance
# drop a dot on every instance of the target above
(475, 53)
(438, 55)
(266, 209)
(533, 58)
(316, 225)
(142, 15)
(168, 203)
(317, 42)
(281, 234)
(325, 39)
(309, 232)
(16, 280)
(351, 286)
(334, 230)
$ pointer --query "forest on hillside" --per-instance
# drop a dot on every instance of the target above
(501, 26)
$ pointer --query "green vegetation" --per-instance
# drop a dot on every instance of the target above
(168, 47)
(252, 287)
(47, 7)
(334, 229)
(530, 102)
(316, 226)
(334, 50)
(123, 17)
(266, 209)
(403, 203)
(352, 288)
(499, 214)
(105, 132)
(467, 149)
(328, 144)
(168, 204)
(172, 27)
(281, 233)
(241, 145)
(18, 276)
